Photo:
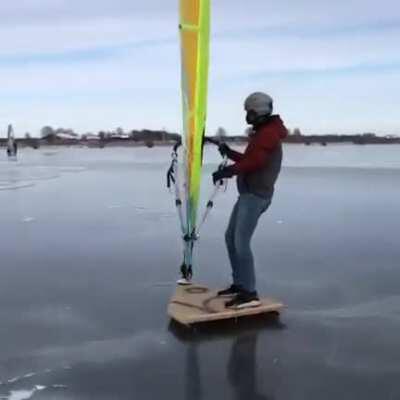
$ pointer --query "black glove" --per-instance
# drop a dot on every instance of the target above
(223, 173)
(224, 149)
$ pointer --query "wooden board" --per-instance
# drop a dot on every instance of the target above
(195, 303)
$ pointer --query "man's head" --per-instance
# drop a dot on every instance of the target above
(258, 107)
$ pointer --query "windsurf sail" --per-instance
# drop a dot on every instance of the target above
(11, 143)
(194, 27)
(195, 37)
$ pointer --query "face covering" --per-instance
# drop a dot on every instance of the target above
(251, 117)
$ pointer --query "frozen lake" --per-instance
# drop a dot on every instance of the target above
(90, 251)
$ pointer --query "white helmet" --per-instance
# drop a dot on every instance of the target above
(259, 103)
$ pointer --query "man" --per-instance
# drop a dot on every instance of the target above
(257, 170)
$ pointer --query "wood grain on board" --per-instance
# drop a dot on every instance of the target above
(195, 303)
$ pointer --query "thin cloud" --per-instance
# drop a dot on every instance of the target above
(96, 64)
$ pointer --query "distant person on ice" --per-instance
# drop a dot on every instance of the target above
(257, 170)
(12, 149)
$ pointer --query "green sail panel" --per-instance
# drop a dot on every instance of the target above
(195, 42)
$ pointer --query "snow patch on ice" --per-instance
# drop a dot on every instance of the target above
(111, 206)
(28, 219)
(73, 169)
(29, 375)
(15, 379)
(23, 394)
(16, 186)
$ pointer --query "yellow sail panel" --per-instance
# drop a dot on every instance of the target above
(190, 11)
(189, 41)
(195, 37)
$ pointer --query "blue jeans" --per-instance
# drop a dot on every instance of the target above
(242, 224)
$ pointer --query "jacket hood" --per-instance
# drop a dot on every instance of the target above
(275, 123)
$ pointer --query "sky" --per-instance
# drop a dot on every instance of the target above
(331, 66)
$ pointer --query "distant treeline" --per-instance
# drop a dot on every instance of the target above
(324, 140)
(365, 138)
(150, 138)
(67, 137)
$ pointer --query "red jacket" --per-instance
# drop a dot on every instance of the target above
(261, 143)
